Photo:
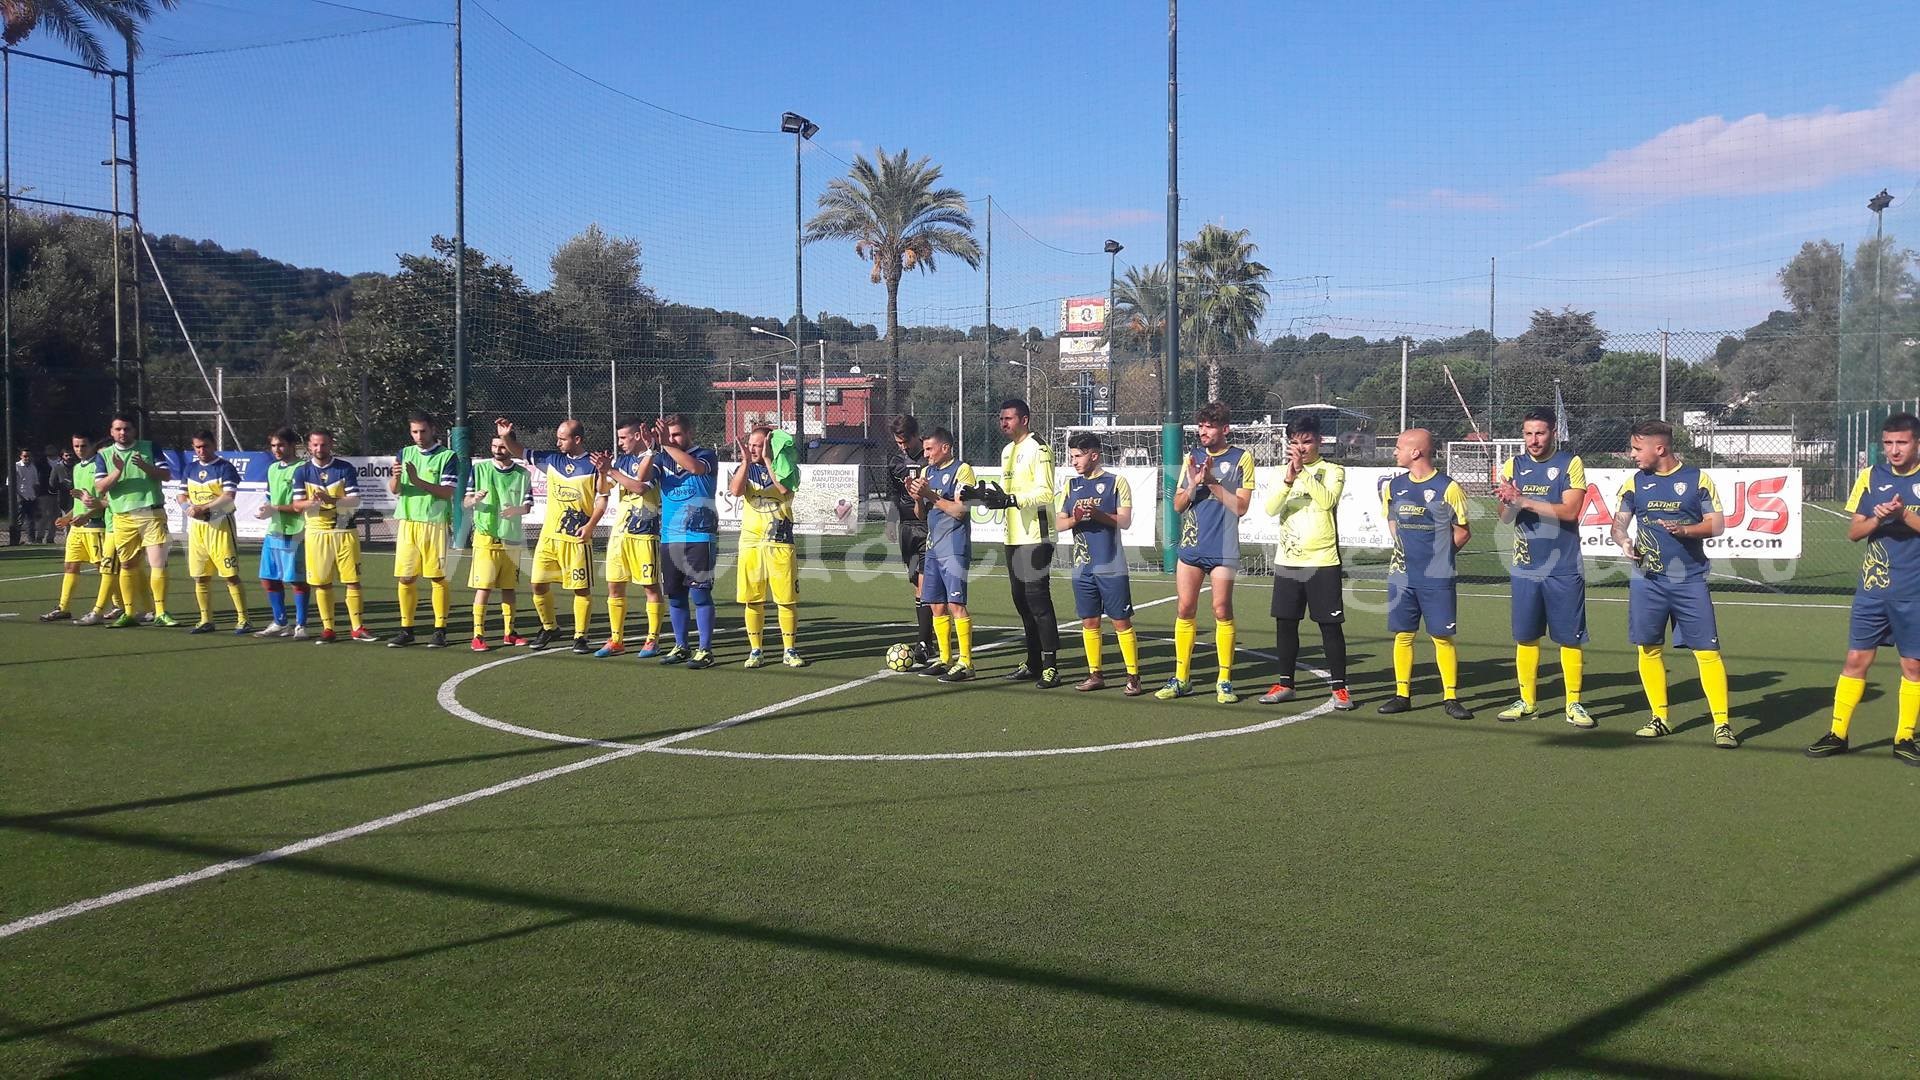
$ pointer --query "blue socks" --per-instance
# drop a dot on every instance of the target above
(677, 611)
(703, 615)
(299, 606)
(277, 600)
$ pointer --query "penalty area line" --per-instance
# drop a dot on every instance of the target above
(313, 843)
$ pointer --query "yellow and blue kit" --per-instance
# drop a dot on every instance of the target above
(1209, 532)
(1886, 602)
(1668, 583)
(1421, 571)
(1549, 583)
(211, 545)
(1100, 583)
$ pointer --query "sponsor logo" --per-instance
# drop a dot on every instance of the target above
(1335, 613)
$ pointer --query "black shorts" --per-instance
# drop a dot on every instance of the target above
(686, 565)
(1302, 590)
(913, 548)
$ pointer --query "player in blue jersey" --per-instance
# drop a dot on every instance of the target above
(1885, 503)
(1216, 487)
(1426, 511)
(688, 475)
(1540, 495)
(1677, 511)
(1098, 507)
(207, 496)
(943, 572)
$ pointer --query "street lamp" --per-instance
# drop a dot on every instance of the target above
(1878, 204)
(801, 129)
(779, 384)
(1113, 248)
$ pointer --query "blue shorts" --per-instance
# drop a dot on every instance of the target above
(943, 579)
(1879, 620)
(1095, 595)
(1555, 606)
(1209, 563)
(1408, 605)
(283, 558)
(1655, 602)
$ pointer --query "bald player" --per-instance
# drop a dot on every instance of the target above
(1426, 511)
(565, 553)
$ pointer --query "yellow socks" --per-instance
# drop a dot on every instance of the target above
(617, 617)
(656, 615)
(104, 601)
(479, 618)
(442, 601)
(756, 617)
(239, 598)
(789, 625)
(943, 633)
(582, 613)
(1573, 662)
(963, 631)
(203, 598)
(1653, 679)
(1403, 664)
(1526, 664)
(1447, 658)
(409, 599)
(66, 590)
(1182, 648)
(356, 607)
(133, 587)
(157, 584)
(1223, 648)
(506, 618)
(543, 607)
(323, 599)
(1909, 710)
(1129, 649)
(1846, 698)
(1090, 641)
(1713, 682)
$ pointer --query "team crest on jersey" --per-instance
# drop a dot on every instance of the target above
(1553, 472)
(1679, 487)
(1427, 494)
(1100, 488)
(1916, 491)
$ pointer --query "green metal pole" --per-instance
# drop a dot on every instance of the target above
(462, 455)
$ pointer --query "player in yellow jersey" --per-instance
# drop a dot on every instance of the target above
(565, 552)
(422, 484)
(326, 490)
(128, 474)
(211, 486)
(633, 551)
(85, 523)
(765, 490)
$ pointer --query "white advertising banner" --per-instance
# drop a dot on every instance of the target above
(252, 466)
(1358, 515)
(827, 503)
(1763, 507)
(990, 526)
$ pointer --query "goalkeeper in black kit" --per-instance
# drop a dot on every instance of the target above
(907, 463)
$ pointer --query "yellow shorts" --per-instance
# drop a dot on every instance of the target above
(496, 564)
(333, 555)
(568, 562)
(137, 529)
(420, 549)
(211, 550)
(86, 546)
(763, 565)
(633, 558)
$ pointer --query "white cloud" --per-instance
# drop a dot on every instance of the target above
(1761, 154)
(1442, 198)
(1564, 233)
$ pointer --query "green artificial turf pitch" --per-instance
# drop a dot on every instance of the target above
(1350, 894)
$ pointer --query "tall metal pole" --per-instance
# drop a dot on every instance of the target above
(960, 403)
(1403, 382)
(986, 390)
(1879, 260)
(799, 415)
(1663, 375)
(6, 280)
(1493, 267)
(1170, 377)
(458, 443)
(133, 195)
(1113, 258)
(113, 103)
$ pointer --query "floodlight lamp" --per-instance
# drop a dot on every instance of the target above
(1113, 247)
(1880, 202)
(792, 123)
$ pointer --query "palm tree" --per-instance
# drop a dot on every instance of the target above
(1221, 298)
(898, 220)
(1140, 309)
(75, 22)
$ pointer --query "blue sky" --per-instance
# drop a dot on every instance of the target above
(1656, 163)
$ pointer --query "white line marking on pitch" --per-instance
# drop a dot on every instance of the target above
(33, 577)
(1824, 510)
(300, 847)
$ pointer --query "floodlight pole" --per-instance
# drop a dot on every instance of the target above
(986, 365)
(6, 281)
(802, 129)
(1878, 204)
(133, 251)
(458, 442)
(1170, 382)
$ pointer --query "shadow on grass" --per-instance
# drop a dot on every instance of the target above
(1563, 1049)
(234, 1059)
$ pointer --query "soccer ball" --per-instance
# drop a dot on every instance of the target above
(899, 657)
